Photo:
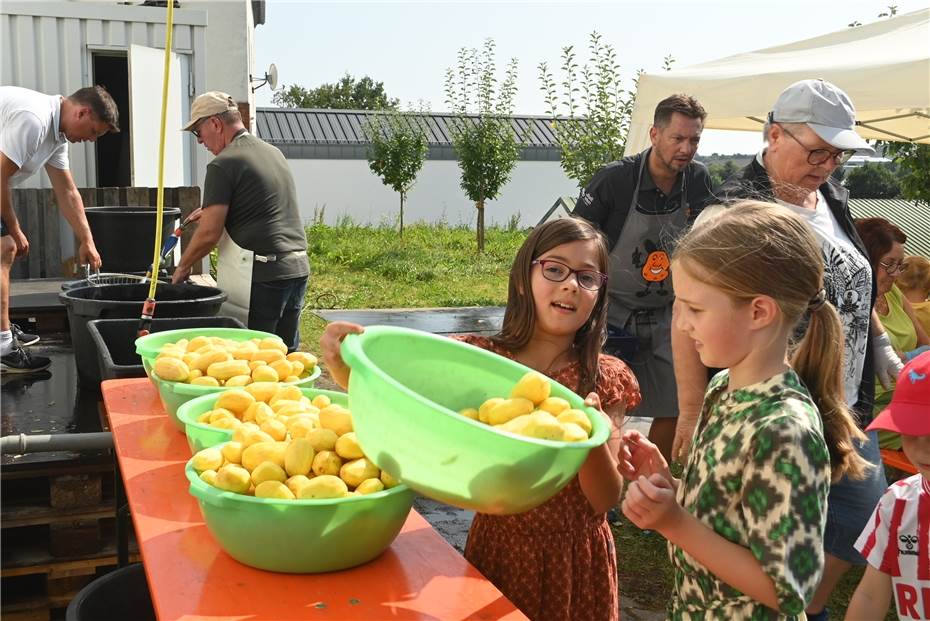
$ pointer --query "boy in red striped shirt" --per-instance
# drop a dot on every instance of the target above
(896, 542)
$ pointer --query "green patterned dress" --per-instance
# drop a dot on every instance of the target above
(758, 474)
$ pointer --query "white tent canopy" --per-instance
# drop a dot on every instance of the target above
(884, 67)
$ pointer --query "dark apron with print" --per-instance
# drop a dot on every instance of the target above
(639, 312)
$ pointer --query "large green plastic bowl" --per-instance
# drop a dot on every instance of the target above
(175, 394)
(302, 536)
(405, 391)
(201, 436)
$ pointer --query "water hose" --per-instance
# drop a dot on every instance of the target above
(148, 307)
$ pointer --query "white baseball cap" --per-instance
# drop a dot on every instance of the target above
(208, 104)
(826, 109)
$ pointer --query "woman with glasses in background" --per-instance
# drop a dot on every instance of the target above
(885, 244)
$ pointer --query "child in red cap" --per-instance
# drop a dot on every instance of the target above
(896, 543)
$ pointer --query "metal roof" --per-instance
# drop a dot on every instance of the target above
(338, 134)
(911, 217)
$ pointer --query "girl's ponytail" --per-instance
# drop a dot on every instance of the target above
(818, 361)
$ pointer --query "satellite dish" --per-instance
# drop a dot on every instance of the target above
(271, 78)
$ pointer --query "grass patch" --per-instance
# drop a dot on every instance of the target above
(433, 265)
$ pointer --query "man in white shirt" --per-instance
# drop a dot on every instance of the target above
(35, 130)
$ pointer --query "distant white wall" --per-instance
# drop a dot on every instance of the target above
(348, 187)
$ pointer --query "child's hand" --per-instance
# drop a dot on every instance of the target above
(650, 503)
(641, 458)
(593, 400)
(330, 342)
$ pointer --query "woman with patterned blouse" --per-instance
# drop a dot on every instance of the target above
(745, 523)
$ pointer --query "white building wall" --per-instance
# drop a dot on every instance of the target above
(339, 188)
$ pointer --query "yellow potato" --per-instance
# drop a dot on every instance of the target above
(233, 478)
(273, 489)
(507, 409)
(286, 393)
(197, 342)
(232, 452)
(533, 386)
(267, 356)
(357, 470)
(208, 477)
(577, 417)
(194, 375)
(239, 380)
(225, 369)
(258, 412)
(573, 433)
(236, 400)
(290, 379)
(322, 439)
(274, 428)
(298, 458)
(256, 437)
(268, 471)
(242, 431)
(299, 426)
(321, 401)
(295, 482)
(264, 373)
(204, 360)
(297, 367)
(227, 423)
(388, 480)
(207, 459)
(171, 369)
(259, 452)
(324, 486)
(337, 418)
(262, 391)
(218, 413)
(486, 407)
(282, 367)
(326, 462)
(539, 424)
(306, 359)
(273, 343)
(347, 446)
(471, 413)
(370, 486)
(555, 405)
(205, 380)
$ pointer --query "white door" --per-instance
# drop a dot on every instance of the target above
(146, 68)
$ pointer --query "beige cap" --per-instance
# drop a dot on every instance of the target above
(208, 104)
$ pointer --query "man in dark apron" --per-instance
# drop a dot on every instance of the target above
(643, 204)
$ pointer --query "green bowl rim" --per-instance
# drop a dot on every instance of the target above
(245, 332)
(181, 388)
(206, 492)
(352, 349)
(189, 405)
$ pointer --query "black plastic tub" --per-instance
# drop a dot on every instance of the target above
(125, 302)
(120, 595)
(116, 341)
(125, 236)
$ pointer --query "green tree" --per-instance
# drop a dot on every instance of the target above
(397, 152)
(485, 143)
(721, 171)
(913, 163)
(593, 116)
(346, 94)
(872, 181)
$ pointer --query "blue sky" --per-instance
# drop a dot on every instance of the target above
(409, 45)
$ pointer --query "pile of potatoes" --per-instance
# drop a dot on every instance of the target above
(286, 446)
(531, 412)
(215, 361)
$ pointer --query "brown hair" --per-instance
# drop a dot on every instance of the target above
(680, 103)
(755, 248)
(100, 103)
(879, 236)
(520, 314)
(916, 275)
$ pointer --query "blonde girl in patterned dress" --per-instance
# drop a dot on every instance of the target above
(557, 561)
(745, 523)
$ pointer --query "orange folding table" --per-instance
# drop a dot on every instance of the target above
(420, 576)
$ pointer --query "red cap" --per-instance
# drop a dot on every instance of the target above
(909, 410)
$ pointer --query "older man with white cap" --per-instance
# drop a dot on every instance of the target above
(250, 212)
(809, 133)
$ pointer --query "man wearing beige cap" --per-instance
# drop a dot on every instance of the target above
(809, 133)
(250, 213)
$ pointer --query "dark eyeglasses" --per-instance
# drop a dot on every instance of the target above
(556, 271)
(891, 268)
(816, 157)
(196, 130)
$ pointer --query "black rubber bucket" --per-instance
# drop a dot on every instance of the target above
(125, 236)
(116, 341)
(118, 596)
(125, 302)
